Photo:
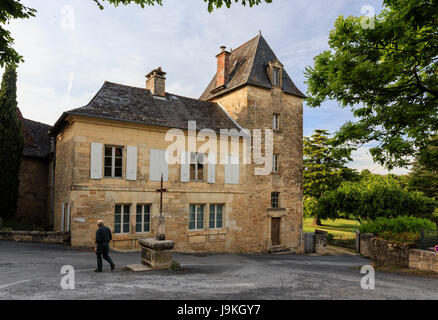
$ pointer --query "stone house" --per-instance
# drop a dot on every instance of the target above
(111, 155)
(34, 192)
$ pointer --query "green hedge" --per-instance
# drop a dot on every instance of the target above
(401, 224)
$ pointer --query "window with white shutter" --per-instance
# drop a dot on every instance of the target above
(131, 163)
(158, 165)
(96, 161)
(211, 169)
(232, 170)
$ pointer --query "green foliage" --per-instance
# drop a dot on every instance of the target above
(374, 197)
(387, 75)
(13, 9)
(11, 143)
(211, 4)
(424, 175)
(310, 206)
(324, 164)
(386, 227)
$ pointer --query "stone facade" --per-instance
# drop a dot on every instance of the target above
(33, 194)
(253, 108)
(249, 221)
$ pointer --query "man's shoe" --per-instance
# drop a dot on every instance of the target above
(113, 267)
(97, 270)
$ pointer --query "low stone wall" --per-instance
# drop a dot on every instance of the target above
(423, 260)
(36, 236)
(384, 253)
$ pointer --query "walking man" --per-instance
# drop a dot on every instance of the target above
(103, 237)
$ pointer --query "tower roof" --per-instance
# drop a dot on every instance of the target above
(248, 66)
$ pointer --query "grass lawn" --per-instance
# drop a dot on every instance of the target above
(339, 228)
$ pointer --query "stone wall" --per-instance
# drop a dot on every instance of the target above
(36, 236)
(33, 193)
(423, 260)
(384, 253)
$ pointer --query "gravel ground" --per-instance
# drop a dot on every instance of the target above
(32, 271)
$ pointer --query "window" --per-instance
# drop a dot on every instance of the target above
(276, 76)
(276, 121)
(196, 166)
(122, 218)
(113, 162)
(275, 163)
(215, 216)
(275, 196)
(143, 218)
(196, 217)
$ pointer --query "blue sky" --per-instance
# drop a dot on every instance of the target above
(72, 47)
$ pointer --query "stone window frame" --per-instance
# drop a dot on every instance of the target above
(196, 166)
(122, 222)
(196, 216)
(142, 215)
(215, 220)
(276, 81)
(113, 160)
(275, 200)
(275, 163)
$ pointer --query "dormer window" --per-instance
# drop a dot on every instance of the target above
(276, 76)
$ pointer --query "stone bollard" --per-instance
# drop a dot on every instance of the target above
(156, 253)
(365, 242)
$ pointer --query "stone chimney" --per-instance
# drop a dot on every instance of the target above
(156, 82)
(223, 67)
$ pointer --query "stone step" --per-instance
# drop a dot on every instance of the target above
(278, 249)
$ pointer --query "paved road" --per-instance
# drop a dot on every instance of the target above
(32, 271)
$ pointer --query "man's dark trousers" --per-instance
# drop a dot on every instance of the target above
(103, 250)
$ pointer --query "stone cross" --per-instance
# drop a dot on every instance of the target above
(160, 234)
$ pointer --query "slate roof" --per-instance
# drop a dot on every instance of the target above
(249, 66)
(37, 140)
(131, 104)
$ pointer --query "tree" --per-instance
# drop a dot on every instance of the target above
(324, 169)
(374, 197)
(387, 73)
(13, 9)
(11, 143)
(424, 177)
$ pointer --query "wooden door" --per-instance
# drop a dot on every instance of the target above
(275, 231)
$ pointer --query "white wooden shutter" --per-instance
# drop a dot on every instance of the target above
(235, 169)
(96, 161)
(211, 169)
(158, 165)
(232, 170)
(185, 167)
(164, 165)
(131, 163)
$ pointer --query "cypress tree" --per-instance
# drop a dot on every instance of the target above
(11, 143)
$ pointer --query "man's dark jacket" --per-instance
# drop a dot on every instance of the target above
(103, 234)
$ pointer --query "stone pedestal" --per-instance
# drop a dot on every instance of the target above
(156, 253)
